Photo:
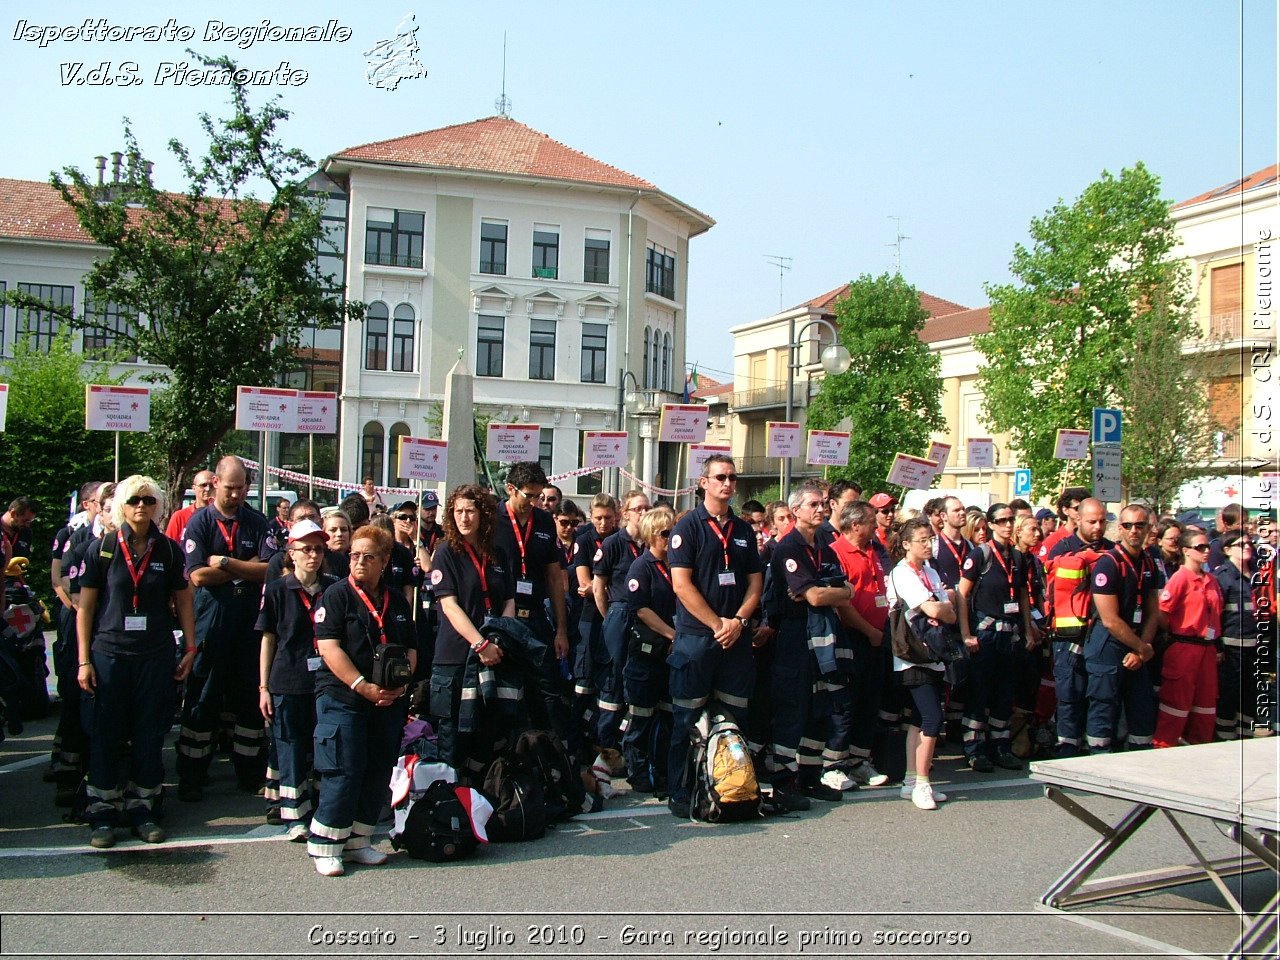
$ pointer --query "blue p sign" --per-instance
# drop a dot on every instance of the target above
(1022, 483)
(1106, 425)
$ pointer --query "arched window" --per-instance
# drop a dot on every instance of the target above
(375, 336)
(666, 361)
(402, 339)
(393, 447)
(654, 354)
(371, 448)
(644, 365)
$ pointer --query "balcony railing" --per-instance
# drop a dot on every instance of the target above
(392, 260)
(498, 267)
(1226, 326)
(545, 273)
(775, 396)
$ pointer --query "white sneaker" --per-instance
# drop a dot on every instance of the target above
(922, 797)
(329, 866)
(866, 775)
(837, 780)
(298, 832)
(907, 787)
(365, 856)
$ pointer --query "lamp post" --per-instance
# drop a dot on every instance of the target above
(627, 403)
(835, 360)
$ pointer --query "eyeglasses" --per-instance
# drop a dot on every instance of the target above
(406, 517)
(920, 540)
(204, 486)
(663, 534)
(140, 501)
(566, 522)
(1200, 548)
(1133, 524)
(1002, 520)
(724, 477)
(307, 548)
(364, 557)
(527, 495)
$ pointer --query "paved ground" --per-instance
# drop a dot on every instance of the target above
(632, 880)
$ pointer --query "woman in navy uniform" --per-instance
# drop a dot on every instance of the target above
(358, 723)
(289, 660)
(132, 579)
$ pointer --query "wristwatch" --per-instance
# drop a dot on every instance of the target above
(222, 562)
(746, 624)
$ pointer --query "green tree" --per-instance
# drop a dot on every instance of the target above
(45, 451)
(892, 391)
(223, 283)
(1063, 336)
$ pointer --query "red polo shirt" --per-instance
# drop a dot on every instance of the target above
(862, 567)
(1193, 604)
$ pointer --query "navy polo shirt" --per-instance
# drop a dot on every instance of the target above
(585, 545)
(162, 575)
(73, 555)
(453, 574)
(998, 586)
(695, 547)
(948, 558)
(342, 616)
(285, 614)
(648, 584)
(430, 538)
(61, 540)
(797, 566)
(541, 550)
(242, 536)
(402, 568)
(1114, 577)
(613, 560)
(1239, 620)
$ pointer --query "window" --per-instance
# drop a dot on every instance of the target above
(489, 335)
(542, 349)
(595, 347)
(38, 326)
(371, 448)
(110, 321)
(398, 430)
(644, 364)
(393, 238)
(375, 336)
(493, 247)
(660, 272)
(402, 339)
(665, 383)
(545, 447)
(655, 359)
(546, 251)
(595, 257)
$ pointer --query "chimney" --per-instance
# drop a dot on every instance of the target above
(116, 158)
(102, 168)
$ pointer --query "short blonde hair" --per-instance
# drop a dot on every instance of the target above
(134, 486)
(660, 517)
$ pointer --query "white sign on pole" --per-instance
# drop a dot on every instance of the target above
(1106, 473)
(981, 452)
(422, 459)
(512, 442)
(1071, 445)
(683, 423)
(827, 448)
(116, 408)
(318, 413)
(783, 439)
(940, 452)
(604, 448)
(4, 405)
(912, 473)
(699, 454)
(269, 409)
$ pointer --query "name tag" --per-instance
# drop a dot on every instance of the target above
(524, 587)
(1036, 614)
(1137, 616)
(1210, 634)
(882, 601)
(135, 623)
(727, 578)
(314, 664)
(1011, 607)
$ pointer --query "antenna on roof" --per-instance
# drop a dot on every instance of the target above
(783, 264)
(503, 103)
(897, 244)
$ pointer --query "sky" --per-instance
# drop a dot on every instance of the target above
(803, 129)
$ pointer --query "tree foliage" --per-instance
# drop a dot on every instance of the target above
(1063, 335)
(224, 283)
(892, 391)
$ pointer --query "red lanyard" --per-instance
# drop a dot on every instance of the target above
(724, 540)
(631, 545)
(813, 555)
(521, 538)
(1008, 574)
(306, 605)
(958, 554)
(484, 581)
(923, 579)
(229, 537)
(662, 569)
(568, 553)
(430, 539)
(135, 573)
(377, 617)
(1127, 568)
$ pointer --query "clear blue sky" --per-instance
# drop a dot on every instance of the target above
(801, 128)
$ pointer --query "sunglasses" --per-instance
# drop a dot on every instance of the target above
(1133, 525)
(663, 534)
(405, 517)
(1002, 520)
(1200, 548)
(307, 548)
(724, 477)
(885, 510)
(143, 501)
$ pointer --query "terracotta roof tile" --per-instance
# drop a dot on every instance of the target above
(1256, 179)
(31, 210)
(951, 326)
(496, 145)
(934, 306)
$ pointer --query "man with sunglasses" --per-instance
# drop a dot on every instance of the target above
(1068, 515)
(1119, 646)
(202, 486)
(718, 578)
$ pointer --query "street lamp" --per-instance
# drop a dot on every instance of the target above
(835, 360)
(628, 402)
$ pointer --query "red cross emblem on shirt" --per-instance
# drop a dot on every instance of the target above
(20, 618)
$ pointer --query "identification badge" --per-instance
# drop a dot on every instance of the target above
(727, 579)
(1211, 634)
(1036, 614)
(1137, 616)
(314, 664)
(135, 623)
(524, 587)
(882, 601)
(1011, 607)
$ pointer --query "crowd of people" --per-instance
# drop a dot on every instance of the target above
(303, 643)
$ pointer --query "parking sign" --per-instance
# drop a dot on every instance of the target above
(1022, 483)
(1106, 425)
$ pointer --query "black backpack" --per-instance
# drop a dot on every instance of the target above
(437, 827)
(562, 789)
(519, 807)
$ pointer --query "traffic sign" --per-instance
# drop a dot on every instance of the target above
(1107, 472)
(1022, 483)
(1106, 425)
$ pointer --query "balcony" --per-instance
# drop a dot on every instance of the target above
(375, 259)
(763, 398)
(496, 267)
(545, 273)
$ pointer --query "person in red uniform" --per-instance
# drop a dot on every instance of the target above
(1192, 604)
(885, 507)
(202, 483)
